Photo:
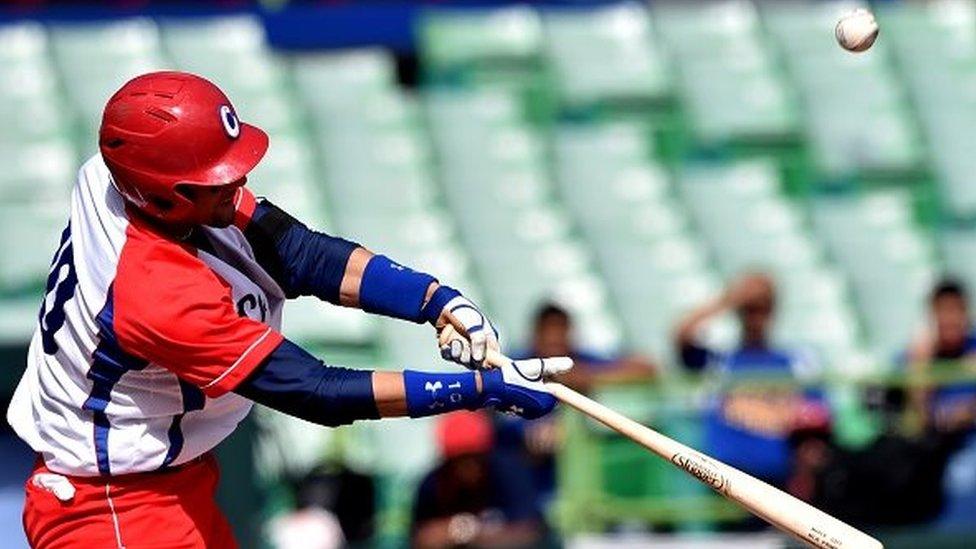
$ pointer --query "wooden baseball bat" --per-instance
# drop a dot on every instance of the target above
(797, 518)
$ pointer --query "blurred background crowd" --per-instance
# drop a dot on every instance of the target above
(751, 240)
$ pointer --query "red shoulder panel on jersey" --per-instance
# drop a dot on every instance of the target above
(245, 204)
(172, 310)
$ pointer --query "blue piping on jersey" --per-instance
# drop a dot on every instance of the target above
(193, 399)
(109, 364)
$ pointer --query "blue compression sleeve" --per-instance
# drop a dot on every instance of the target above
(431, 394)
(393, 290)
(302, 261)
(294, 382)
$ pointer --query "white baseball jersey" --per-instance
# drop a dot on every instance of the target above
(141, 337)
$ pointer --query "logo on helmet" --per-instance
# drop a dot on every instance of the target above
(231, 124)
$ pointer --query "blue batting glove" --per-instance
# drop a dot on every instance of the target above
(517, 388)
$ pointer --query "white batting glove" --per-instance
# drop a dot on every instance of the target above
(472, 335)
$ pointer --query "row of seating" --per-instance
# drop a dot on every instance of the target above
(371, 171)
(491, 164)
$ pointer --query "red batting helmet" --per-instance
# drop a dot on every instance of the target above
(164, 129)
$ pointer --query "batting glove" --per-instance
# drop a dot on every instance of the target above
(516, 388)
(448, 308)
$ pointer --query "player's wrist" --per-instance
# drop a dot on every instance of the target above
(431, 288)
(492, 385)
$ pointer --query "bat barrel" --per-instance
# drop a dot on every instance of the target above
(797, 518)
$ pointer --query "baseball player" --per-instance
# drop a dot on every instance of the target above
(160, 328)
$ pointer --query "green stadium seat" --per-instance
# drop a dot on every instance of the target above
(31, 233)
(19, 317)
(94, 60)
(119, 40)
(492, 167)
(869, 133)
(313, 323)
(958, 247)
(217, 38)
(728, 75)
(19, 42)
(356, 84)
(935, 44)
(37, 172)
(604, 55)
(626, 208)
(462, 40)
(375, 176)
(883, 254)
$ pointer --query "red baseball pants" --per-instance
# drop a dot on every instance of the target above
(168, 509)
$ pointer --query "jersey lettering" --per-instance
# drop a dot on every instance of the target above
(61, 283)
(250, 303)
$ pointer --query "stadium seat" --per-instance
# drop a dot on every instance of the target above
(938, 72)
(605, 55)
(31, 234)
(890, 264)
(851, 134)
(39, 161)
(728, 74)
(958, 247)
(463, 40)
(625, 206)
(494, 159)
(94, 60)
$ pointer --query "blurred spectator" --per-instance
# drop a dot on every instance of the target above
(335, 507)
(536, 443)
(475, 497)
(552, 335)
(748, 427)
(309, 528)
(948, 346)
(894, 480)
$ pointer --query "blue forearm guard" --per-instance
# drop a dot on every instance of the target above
(430, 394)
(393, 290)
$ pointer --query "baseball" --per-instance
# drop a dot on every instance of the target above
(857, 30)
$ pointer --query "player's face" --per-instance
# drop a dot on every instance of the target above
(756, 313)
(552, 336)
(951, 321)
(214, 204)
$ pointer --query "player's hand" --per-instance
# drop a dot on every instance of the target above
(517, 388)
(472, 335)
